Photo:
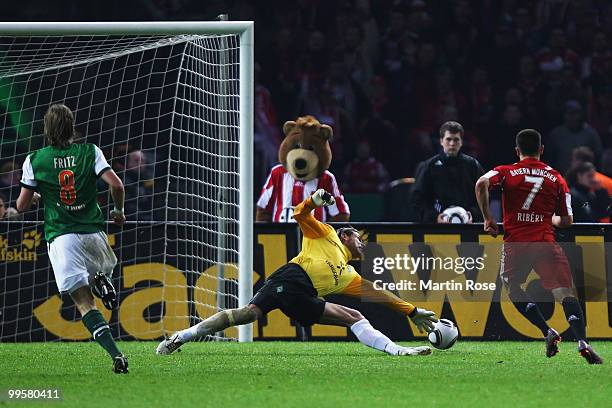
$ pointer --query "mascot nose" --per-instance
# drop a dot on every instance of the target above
(300, 164)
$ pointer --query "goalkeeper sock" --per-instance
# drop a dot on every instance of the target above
(575, 317)
(532, 312)
(371, 337)
(217, 322)
(97, 326)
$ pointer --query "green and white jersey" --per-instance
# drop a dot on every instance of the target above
(66, 180)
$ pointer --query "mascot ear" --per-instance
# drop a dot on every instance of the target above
(327, 133)
(288, 127)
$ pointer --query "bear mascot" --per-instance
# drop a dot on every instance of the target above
(305, 156)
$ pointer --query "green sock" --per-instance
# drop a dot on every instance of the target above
(97, 326)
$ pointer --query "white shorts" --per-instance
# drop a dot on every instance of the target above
(75, 258)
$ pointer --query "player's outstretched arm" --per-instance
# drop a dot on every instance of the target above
(310, 226)
(482, 197)
(367, 292)
(117, 193)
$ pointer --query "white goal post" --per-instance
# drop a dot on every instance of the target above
(233, 119)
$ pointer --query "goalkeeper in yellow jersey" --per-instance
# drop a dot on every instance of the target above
(320, 269)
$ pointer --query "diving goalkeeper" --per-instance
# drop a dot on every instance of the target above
(320, 269)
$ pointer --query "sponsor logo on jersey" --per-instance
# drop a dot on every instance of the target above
(333, 271)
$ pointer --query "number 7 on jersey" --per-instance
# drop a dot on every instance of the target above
(537, 185)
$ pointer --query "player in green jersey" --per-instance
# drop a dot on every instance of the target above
(63, 175)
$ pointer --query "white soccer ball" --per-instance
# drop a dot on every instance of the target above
(444, 334)
(456, 215)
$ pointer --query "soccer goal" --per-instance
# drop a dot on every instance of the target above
(170, 104)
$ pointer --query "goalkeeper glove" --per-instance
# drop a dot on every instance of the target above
(322, 197)
(423, 319)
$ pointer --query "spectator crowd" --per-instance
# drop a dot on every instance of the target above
(386, 74)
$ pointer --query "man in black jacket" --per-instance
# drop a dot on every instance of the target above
(445, 180)
(590, 201)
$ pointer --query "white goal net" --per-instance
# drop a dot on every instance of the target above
(169, 113)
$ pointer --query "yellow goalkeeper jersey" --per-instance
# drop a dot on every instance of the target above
(324, 257)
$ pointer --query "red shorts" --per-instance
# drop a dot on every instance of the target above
(547, 259)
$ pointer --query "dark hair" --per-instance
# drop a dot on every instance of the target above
(452, 127)
(584, 167)
(345, 230)
(59, 125)
(529, 142)
(583, 154)
(574, 172)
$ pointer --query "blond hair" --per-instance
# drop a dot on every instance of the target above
(59, 125)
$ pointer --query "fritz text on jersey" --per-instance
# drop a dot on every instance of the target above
(64, 162)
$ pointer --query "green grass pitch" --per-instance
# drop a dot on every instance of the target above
(317, 374)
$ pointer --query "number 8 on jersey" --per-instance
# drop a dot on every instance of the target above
(67, 190)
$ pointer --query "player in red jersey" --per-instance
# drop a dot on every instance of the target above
(535, 199)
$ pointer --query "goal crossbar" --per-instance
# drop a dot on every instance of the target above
(243, 28)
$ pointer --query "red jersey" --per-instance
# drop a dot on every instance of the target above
(532, 192)
(282, 192)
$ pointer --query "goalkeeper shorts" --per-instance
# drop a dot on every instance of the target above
(75, 258)
(290, 290)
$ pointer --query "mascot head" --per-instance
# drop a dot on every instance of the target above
(305, 151)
